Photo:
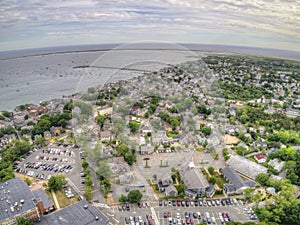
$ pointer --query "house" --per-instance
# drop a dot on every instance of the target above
(55, 131)
(106, 136)
(103, 111)
(160, 137)
(146, 149)
(18, 201)
(163, 180)
(47, 135)
(80, 213)
(210, 191)
(260, 144)
(194, 181)
(297, 148)
(260, 158)
(276, 164)
(145, 129)
(235, 185)
(171, 191)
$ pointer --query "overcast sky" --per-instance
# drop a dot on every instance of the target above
(42, 23)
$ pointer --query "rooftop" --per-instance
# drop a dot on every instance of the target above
(245, 166)
(15, 198)
(193, 178)
(40, 195)
(235, 180)
(80, 213)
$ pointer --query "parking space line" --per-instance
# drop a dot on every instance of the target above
(155, 216)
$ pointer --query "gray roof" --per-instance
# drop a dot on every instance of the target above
(235, 181)
(297, 148)
(245, 166)
(12, 193)
(75, 214)
(171, 188)
(233, 178)
(193, 178)
(40, 195)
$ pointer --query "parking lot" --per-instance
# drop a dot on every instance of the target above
(43, 163)
(184, 212)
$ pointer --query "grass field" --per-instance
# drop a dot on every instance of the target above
(63, 201)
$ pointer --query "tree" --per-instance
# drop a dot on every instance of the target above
(100, 120)
(24, 221)
(105, 183)
(248, 193)
(212, 180)
(262, 178)
(85, 164)
(211, 170)
(57, 182)
(134, 126)
(134, 196)
(6, 114)
(88, 193)
(28, 181)
(91, 90)
(122, 198)
(40, 140)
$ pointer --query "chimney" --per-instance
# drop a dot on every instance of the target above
(40, 207)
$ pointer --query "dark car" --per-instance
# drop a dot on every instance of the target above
(160, 203)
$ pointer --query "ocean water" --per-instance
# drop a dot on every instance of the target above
(31, 76)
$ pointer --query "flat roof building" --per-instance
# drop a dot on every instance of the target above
(80, 213)
(16, 200)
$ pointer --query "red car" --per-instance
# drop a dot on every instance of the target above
(178, 203)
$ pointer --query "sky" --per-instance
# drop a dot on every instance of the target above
(43, 23)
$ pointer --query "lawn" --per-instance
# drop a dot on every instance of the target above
(219, 180)
(63, 201)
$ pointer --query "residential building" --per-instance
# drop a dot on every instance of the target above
(106, 136)
(260, 158)
(146, 149)
(103, 111)
(171, 191)
(163, 180)
(276, 164)
(236, 184)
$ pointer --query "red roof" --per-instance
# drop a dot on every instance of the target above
(259, 156)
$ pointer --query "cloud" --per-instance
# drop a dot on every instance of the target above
(119, 20)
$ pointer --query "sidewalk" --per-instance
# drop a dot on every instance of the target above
(55, 200)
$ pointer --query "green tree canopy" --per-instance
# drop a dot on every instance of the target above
(24, 221)
(100, 120)
(57, 182)
(211, 170)
(134, 126)
(134, 196)
(262, 178)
